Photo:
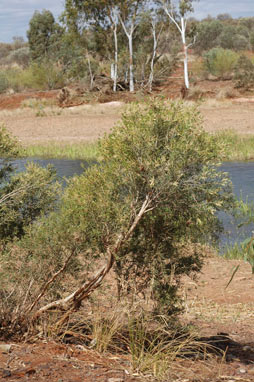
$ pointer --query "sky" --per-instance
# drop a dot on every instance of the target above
(15, 14)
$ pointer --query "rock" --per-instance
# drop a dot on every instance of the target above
(115, 380)
(6, 373)
(5, 348)
(242, 371)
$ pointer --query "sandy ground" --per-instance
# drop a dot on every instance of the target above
(89, 122)
(222, 317)
(75, 124)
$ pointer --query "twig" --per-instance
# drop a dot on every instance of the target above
(50, 281)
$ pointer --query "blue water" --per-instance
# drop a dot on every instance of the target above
(241, 174)
(242, 177)
(65, 168)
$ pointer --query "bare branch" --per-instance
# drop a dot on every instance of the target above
(50, 281)
(74, 300)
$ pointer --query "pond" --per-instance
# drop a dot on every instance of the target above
(241, 174)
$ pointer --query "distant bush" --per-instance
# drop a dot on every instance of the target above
(20, 56)
(4, 83)
(37, 76)
(220, 62)
(244, 73)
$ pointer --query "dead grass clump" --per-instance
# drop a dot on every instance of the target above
(34, 103)
(153, 346)
(227, 92)
(196, 93)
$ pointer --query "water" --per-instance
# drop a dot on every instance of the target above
(241, 174)
(242, 177)
(65, 168)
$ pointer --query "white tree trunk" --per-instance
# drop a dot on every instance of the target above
(131, 62)
(185, 51)
(91, 73)
(150, 81)
(130, 39)
(182, 30)
(116, 58)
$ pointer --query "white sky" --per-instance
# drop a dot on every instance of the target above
(15, 14)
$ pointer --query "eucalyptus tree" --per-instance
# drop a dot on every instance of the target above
(96, 13)
(107, 14)
(177, 14)
(129, 17)
(43, 34)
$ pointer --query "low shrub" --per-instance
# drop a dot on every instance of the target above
(220, 62)
(36, 76)
(4, 83)
(244, 73)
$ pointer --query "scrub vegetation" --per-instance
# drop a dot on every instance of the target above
(145, 212)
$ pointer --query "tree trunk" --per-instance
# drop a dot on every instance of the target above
(185, 51)
(116, 59)
(150, 81)
(131, 62)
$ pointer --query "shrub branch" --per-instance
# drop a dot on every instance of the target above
(74, 300)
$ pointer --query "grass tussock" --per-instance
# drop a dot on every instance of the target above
(150, 346)
(86, 151)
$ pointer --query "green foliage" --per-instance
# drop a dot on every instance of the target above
(43, 35)
(220, 62)
(4, 83)
(244, 215)
(19, 56)
(244, 73)
(252, 40)
(43, 76)
(23, 196)
(243, 251)
(238, 146)
(227, 37)
(8, 151)
(157, 153)
(208, 33)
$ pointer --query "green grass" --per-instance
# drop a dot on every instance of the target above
(85, 151)
(237, 147)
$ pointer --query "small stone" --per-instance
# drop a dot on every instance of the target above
(6, 373)
(80, 347)
(115, 380)
(4, 348)
(247, 348)
(242, 371)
